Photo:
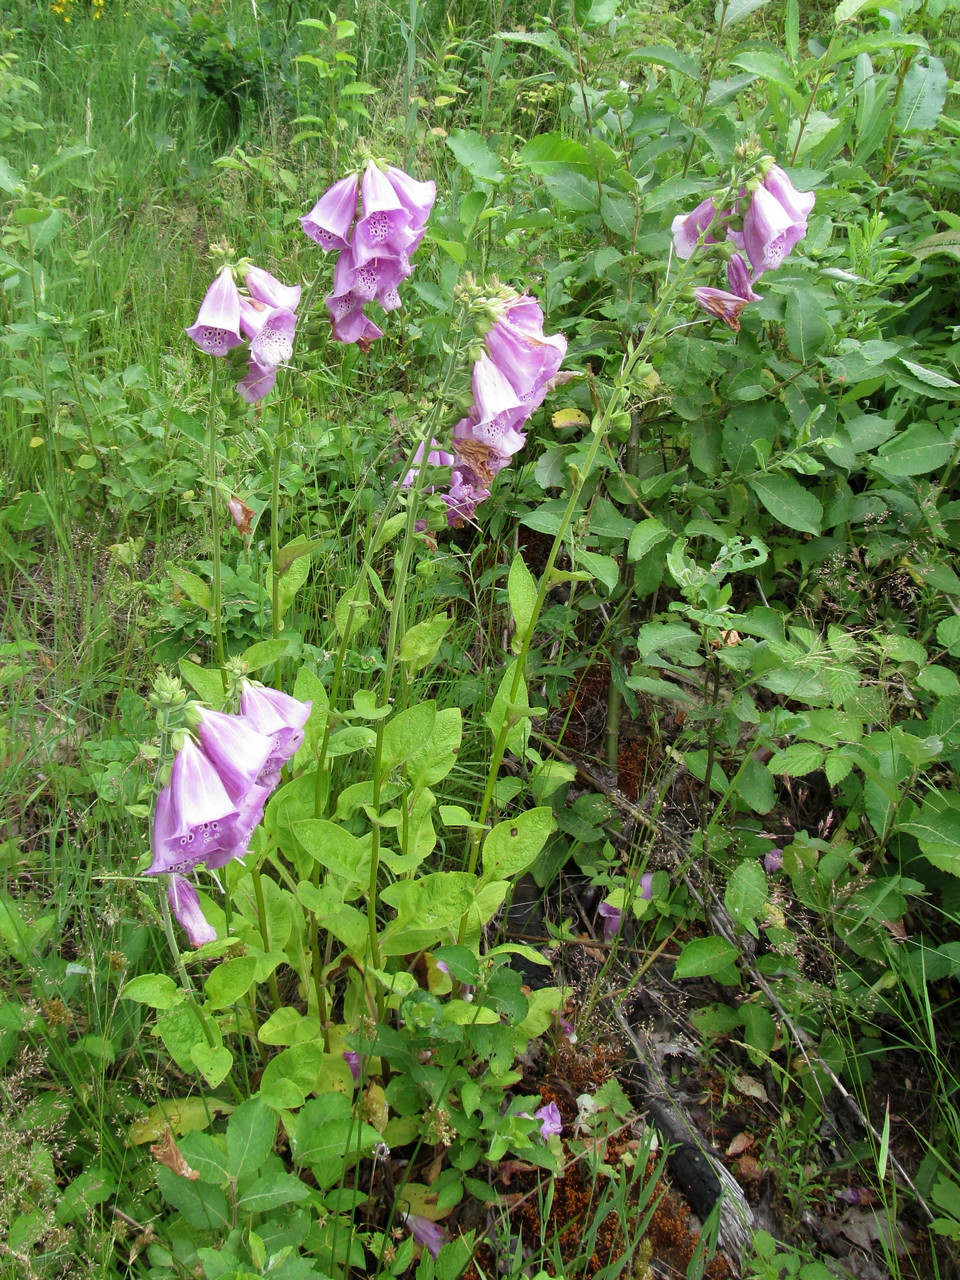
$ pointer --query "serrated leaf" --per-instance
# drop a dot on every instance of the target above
(941, 242)
(473, 153)
(922, 95)
(799, 759)
(547, 40)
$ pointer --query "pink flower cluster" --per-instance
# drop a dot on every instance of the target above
(510, 380)
(774, 220)
(217, 791)
(374, 250)
(265, 315)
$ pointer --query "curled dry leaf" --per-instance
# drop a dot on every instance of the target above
(751, 1088)
(742, 1142)
(166, 1152)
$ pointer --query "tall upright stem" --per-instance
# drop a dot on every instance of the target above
(217, 602)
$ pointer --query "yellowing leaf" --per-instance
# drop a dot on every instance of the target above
(570, 418)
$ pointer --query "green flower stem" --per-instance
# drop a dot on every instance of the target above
(217, 602)
(622, 392)
(189, 989)
(265, 935)
(397, 624)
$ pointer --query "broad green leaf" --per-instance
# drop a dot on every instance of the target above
(736, 11)
(512, 845)
(922, 95)
(664, 55)
(421, 642)
(326, 1138)
(603, 568)
(806, 324)
(797, 760)
(547, 40)
(201, 1205)
(940, 242)
(250, 1134)
(230, 980)
(937, 830)
(645, 537)
(265, 652)
(157, 990)
(437, 757)
(705, 957)
(948, 634)
(195, 589)
(768, 64)
(916, 451)
(93, 1186)
(746, 895)
(181, 1115)
(213, 1062)
(930, 376)
(522, 592)
(407, 733)
(848, 9)
(272, 1191)
(9, 181)
(294, 1074)
(428, 910)
(335, 848)
(475, 156)
(549, 151)
(788, 502)
(759, 1031)
(353, 610)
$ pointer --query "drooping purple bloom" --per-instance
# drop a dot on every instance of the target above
(384, 223)
(611, 917)
(375, 278)
(688, 228)
(725, 306)
(798, 205)
(517, 345)
(217, 327)
(499, 412)
(416, 197)
(281, 718)
(273, 345)
(773, 860)
(467, 491)
(437, 457)
(550, 1120)
(738, 277)
(237, 751)
(769, 231)
(426, 1233)
(352, 1059)
(646, 886)
(263, 287)
(350, 324)
(195, 819)
(329, 221)
(258, 382)
(185, 904)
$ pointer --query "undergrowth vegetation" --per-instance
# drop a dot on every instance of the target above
(481, 640)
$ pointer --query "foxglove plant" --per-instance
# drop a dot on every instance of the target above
(768, 220)
(511, 376)
(374, 250)
(265, 314)
(207, 812)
